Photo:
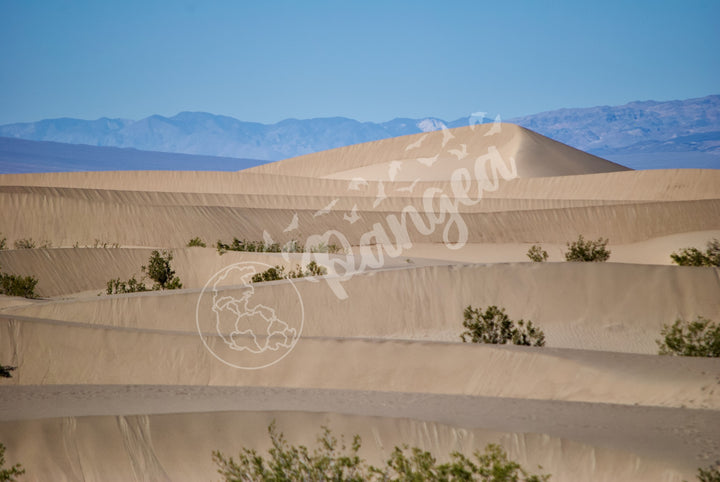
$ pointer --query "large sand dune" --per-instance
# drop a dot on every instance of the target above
(130, 387)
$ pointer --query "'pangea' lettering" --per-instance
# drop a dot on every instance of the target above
(439, 209)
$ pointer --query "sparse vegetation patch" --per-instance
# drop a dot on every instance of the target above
(537, 254)
(9, 474)
(158, 270)
(196, 242)
(494, 326)
(16, 285)
(25, 243)
(292, 246)
(691, 338)
(588, 251)
(278, 272)
(333, 460)
(695, 257)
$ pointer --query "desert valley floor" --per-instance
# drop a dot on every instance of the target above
(142, 387)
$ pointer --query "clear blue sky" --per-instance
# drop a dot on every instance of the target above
(369, 60)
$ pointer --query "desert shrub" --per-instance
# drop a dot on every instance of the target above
(711, 474)
(196, 242)
(695, 257)
(314, 269)
(160, 271)
(537, 254)
(324, 248)
(592, 251)
(104, 244)
(9, 474)
(5, 371)
(271, 274)
(691, 338)
(278, 272)
(333, 460)
(494, 326)
(249, 246)
(16, 285)
(292, 246)
(3, 243)
(117, 286)
(25, 243)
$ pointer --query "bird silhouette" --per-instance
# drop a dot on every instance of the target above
(293, 224)
(409, 188)
(495, 127)
(459, 153)
(416, 144)
(381, 196)
(326, 209)
(428, 161)
(394, 168)
(356, 182)
(476, 118)
(353, 216)
(447, 135)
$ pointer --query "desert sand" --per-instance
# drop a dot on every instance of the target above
(141, 386)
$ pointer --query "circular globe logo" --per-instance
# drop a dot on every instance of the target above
(248, 325)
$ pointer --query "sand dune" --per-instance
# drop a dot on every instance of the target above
(569, 301)
(445, 150)
(132, 387)
(162, 448)
(66, 221)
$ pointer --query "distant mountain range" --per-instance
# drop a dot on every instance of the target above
(20, 155)
(683, 133)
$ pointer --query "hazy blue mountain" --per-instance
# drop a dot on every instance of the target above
(640, 134)
(20, 155)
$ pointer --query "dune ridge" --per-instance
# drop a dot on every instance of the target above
(132, 387)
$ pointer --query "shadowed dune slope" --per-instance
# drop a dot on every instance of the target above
(160, 449)
(569, 301)
(66, 220)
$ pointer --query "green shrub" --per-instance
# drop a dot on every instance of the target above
(117, 286)
(5, 371)
(537, 254)
(160, 271)
(16, 285)
(695, 257)
(25, 243)
(695, 338)
(261, 247)
(494, 326)
(335, 462)
(249, 246)
(589, 251)
(711, 474)
(10, 474)
(278, 272)
(196, 242)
